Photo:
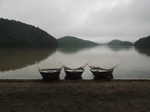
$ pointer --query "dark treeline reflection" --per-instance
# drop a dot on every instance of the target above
(139, 50)
(73, 50)
(143, 51)
(12, 58)
(119, 48)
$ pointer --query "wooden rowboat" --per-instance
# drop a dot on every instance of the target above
(50, 74)
(73, 73)
(102, 73)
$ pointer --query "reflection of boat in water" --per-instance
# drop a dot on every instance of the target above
(50, 74)
(73, 73)
(102, 73)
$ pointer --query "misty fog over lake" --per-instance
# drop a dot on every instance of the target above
(130, 63)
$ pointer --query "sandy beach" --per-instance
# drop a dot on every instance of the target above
(74, 96)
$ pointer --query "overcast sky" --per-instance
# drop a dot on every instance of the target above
(99, 20)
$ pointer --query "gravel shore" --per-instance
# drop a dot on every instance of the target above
(74, 96)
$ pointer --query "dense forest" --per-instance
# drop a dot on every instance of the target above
(70, 41)
(17, 34)
(143, 42)
(120, 43)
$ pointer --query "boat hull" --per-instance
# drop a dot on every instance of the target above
(73, 75)
(102, 75)
(50, 75)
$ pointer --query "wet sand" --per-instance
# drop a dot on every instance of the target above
(74, 96)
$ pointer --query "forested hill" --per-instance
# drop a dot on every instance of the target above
(143, 42)
(120, 43)
(70, 41)
(18, 34)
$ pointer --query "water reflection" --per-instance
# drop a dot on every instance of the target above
(119, 48)
(132, 64)
(12, 59)
(143, 51)
(73, 50)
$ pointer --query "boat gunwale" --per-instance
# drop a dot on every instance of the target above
(53, 70)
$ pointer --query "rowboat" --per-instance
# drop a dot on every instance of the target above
(50, 74)
(102, 73)
(73, 73)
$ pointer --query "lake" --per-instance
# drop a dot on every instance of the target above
(130, 63)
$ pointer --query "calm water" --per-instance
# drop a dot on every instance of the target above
(24, 63)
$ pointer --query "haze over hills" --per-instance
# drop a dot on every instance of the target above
(70, 41)
(17, 34)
